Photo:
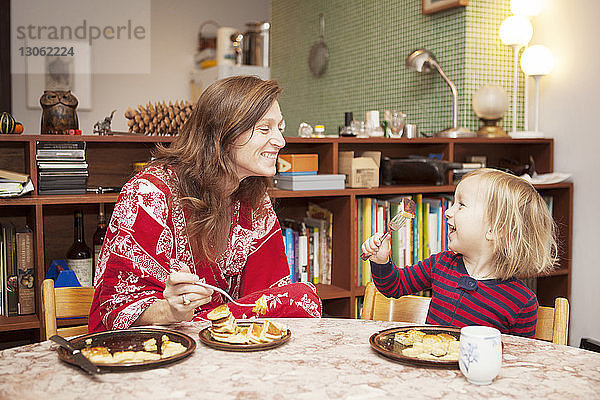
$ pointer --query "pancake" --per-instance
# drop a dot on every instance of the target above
(261, 305)
(134, 356)
(98, 355)
(441, 346)
(169, 348)
(407, 208)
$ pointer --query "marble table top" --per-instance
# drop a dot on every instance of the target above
(324, 359)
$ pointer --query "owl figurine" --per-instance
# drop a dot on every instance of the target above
(59, 112)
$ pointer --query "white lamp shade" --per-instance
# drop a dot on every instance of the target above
(526, 8)
(516, 30)
(537, 60)
(490, 102)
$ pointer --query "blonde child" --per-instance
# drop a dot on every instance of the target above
(499, 230)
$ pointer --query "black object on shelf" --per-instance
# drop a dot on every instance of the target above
(590, 344)
(415, 170)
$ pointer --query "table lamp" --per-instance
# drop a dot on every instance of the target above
(515, 31)
(537, 61)
(490, 102)
(422, 60)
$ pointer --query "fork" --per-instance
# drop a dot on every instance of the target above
(224, 293)
(395, 223)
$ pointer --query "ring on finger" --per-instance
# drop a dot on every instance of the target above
(185, 300)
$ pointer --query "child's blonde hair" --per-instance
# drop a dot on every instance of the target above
(525, 234)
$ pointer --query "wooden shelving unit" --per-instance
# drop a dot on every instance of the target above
(110, 161)
(293, 204)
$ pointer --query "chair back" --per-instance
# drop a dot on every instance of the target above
(404, 309)
(67, 302)
(552, 322)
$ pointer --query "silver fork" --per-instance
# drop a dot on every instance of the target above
(224, 293)
(395, 223)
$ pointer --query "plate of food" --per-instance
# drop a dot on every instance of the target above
(138, 348)
(225, 333)
(421, 345)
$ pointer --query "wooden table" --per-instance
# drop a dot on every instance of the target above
(324, 359)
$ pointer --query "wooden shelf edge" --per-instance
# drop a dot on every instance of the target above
(377, 191)
(78, 198)
(556, 272)
(422, 140)
(119, 138)
(327, 292)
(8, 324)
(31, 200)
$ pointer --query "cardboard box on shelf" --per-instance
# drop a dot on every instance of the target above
(298, 164)
(361, 171)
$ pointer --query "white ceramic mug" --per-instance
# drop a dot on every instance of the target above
(480, 354)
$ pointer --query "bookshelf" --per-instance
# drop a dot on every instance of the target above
(110, 161)
(343, 202)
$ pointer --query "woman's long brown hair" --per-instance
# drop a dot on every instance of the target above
(203, 157)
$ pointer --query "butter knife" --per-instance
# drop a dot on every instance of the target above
(78, 357)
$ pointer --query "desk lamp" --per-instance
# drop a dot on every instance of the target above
(424, 61)
(515, 31)
(537, 61)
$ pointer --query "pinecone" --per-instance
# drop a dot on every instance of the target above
(158, 118)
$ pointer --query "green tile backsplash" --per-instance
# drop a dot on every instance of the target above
(368, 42)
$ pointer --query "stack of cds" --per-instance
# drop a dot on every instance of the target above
(62, 168)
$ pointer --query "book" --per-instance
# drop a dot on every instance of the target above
(366, 233)
(10, 282)
(10, 186)
(25, 270)
(321, 247)
(397, 253)
(62, 165)
(3, 273)
(303, 253)
(13, 176)
(310, 268)
(60, 154)
(316, 211)
(359, 241)
(419, 245)
(288, 235)
(62, 191)
(310, 182)
(60, 145)
(316, 267)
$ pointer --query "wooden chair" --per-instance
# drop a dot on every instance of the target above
(406, 308)
(552, 323)
(67, 302)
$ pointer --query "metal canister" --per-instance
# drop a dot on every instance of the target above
(256, 44)
(410, 131)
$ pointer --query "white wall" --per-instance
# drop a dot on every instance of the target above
(174, 30)
(569, 114)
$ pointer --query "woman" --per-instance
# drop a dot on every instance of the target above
(200, 212)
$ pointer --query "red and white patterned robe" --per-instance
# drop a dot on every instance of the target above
(147, 239)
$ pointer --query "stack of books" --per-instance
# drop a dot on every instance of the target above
(14, 183)
(62, 168)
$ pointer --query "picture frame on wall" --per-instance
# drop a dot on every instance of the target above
(64, 69)
(433, 6)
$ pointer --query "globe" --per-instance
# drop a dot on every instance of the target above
(490, 102)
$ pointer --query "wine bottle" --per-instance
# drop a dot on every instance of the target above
(98, 238)
(79, 256)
